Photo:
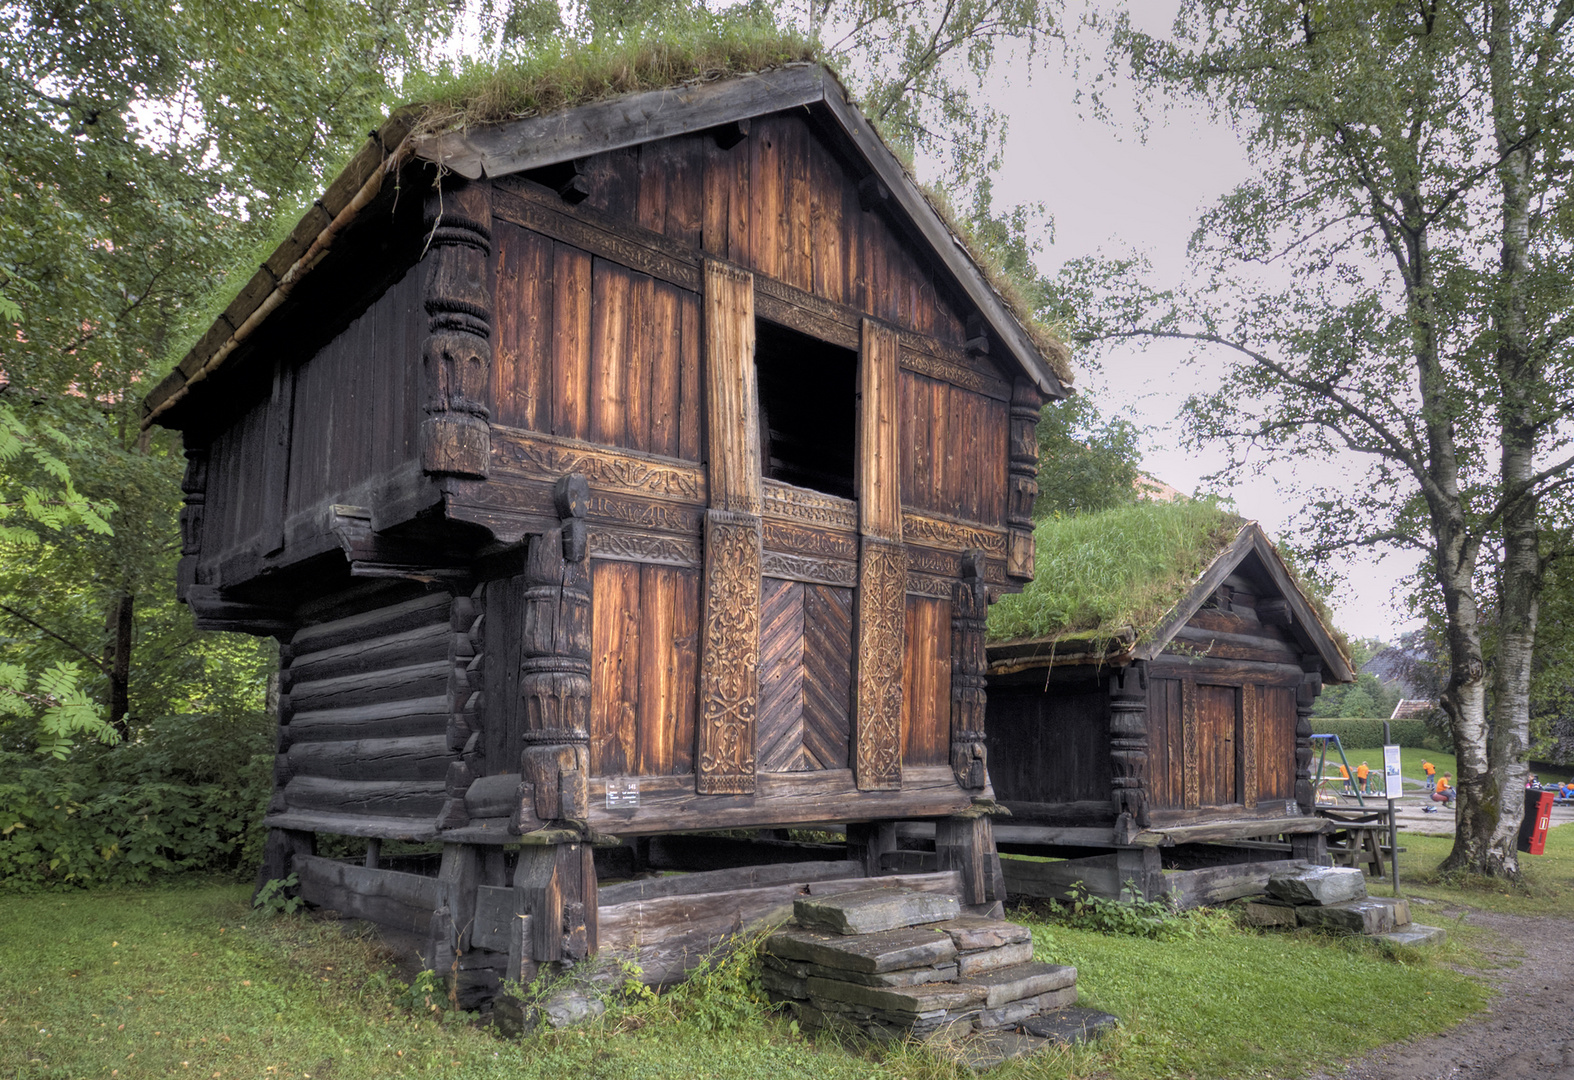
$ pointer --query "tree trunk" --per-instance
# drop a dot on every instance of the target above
(117, 660)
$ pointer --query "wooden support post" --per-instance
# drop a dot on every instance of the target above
(1026, 401)
(1128, 731)
(448, 937)
(1139, 873)
(967, 845)
(554, 675)
(969, 674)
(882, 568)
(1305, 697)
(194, 489)
(868, 841)
(1310, 847)
(455, 436)
(280, 851)
(729, 686)
(555, 890)
(374, 853)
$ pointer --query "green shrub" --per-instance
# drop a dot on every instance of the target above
(1413, 733)
(187, 794)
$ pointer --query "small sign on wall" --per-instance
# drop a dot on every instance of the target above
(623, 793)
(1393, 782)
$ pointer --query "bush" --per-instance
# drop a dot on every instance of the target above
(187, 794)
(1364, 733)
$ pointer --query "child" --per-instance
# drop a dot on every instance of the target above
(1431, 774)
(1344, 774)
(1363, 773)
(1443, 793)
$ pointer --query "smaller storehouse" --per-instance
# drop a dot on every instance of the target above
(1149, 709)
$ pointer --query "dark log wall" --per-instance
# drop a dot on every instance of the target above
(329, 423)
(371, 709)
(1052, 746)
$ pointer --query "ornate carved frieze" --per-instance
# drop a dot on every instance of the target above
(779, 564)
(639, 513)
(952, 535)
(803, 540)
(925, 362)
(1022, 484)
(644, 547)
(547, 457)
(882, 616)
(919, 584)
(812, 507)
(729, 689)
(457, 355)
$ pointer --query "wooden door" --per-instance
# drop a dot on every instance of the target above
(1216, 732)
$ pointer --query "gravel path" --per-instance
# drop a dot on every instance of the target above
(1528, 1031)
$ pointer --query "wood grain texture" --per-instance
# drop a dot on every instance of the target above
(878, 477)
(926, 679)
(733, 401)
(729, 654)
(805, 676)
(571, 342)
(668, 663)
(881, 620)
(781, 676)
(1217, 712)
(522, 356)
(615, 667)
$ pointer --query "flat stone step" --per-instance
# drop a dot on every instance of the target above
(1070, 1025)
(1014, 1013)
(869, 911)
(972, 932)
(802, 969)
(1416, 934)
(1255, 914)
(1019, 981)
(1353, 916)
(912, 1001)
(970, 964)
(990, 1049)
(891, 950)
(1319, 885)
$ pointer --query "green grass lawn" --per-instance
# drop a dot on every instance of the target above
(1410, 759)
(186, 981)
(1548, 888)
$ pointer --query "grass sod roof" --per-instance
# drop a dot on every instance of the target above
(1104, 583)
(554, 76)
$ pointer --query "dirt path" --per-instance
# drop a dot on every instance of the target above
(1528, 1031)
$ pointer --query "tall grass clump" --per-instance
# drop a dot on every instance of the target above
(1113, 575)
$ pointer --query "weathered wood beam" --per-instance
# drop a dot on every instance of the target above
(457, 354)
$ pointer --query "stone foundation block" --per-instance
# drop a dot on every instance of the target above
(1018, 1012)
(1352, 916)
(1319, 885)
(1416, 934)
(1070, 1025)
(1255, 914)
(973, 932)
(891, 950)
(1005, 985)
(869, 911)
(799, 969)
(976, 963)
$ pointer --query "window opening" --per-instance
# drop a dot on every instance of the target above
(808, 409)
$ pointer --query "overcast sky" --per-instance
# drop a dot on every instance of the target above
(1109, 190)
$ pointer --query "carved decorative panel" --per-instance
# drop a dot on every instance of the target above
(952, 535)
(815, 508)
(546, 457)
(729, 655)
(842, 572)
(882, 610)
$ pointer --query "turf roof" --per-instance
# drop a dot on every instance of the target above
(1108, 579)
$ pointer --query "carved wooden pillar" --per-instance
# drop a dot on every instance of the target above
(194, 488)
(882, 568)
(729, 687)
(969, 674)
(1128, 731)
(554, 674)
(455, 437)
(1022, 489)
(1305, 697)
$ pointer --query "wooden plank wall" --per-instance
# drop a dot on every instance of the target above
(345, 415)
(953, 447)
(1275, 742)
(1051, 746)
(806, 641)
(926, 682)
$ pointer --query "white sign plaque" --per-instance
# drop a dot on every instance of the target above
(1391, 778)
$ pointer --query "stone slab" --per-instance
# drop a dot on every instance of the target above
(869, 911)
(976, 963)
(1255, 914)
(994, 1048)
(1070, 1025)
(891, 950)
(972, 932)
(1005, 985)
(1416, 935)
(1319, 885)
(915, 1001)
(1017, 1012)
(1352, 916)
(783, 984)
(800, 969)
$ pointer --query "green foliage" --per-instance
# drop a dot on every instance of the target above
(37, 493)
(1151, 919)
(1093, 462)
(280, 896)
(186, 795)
(1113, 574)
(65, 712)
(1369, 732)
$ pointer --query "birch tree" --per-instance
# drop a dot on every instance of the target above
(1393, 288)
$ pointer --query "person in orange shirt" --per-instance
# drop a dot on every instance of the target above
(1431, 774)
(1363, 773)
(1443, 793)
(1344, 774)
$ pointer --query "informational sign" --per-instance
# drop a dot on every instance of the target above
(1391, 777)
(623, 793)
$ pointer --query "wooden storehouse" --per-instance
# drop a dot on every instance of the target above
(1177, 757)
(638, 469)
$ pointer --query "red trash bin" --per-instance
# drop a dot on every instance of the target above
(1537, 820)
